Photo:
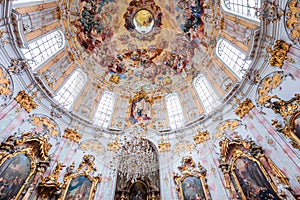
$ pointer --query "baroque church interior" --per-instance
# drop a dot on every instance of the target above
(149, 100)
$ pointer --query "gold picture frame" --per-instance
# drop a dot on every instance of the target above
(294, 131)
(83, 178)
(15, 152)
(130, 192)
(192, 183)
(248, 171)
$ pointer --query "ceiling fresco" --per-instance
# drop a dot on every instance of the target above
(140, 44)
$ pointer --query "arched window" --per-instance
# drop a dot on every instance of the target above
(105, 109)
(174, 109)
(23, 3)
(244, 8)
(71, 89)
(232, 57)
(206, 93)
(43, 48)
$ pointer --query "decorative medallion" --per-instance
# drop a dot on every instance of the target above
(143, 17)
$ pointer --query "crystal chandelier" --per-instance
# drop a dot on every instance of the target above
(135, 157)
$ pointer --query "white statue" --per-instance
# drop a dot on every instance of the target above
(283, 191)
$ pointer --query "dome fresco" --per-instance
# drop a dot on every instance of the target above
(121, 55)
(149, 99)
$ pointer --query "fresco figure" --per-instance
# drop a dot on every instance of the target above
(13, 173)
(252, 180)
(79, 189)
(192, 189)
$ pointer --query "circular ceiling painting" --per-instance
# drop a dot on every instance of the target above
(143, 21)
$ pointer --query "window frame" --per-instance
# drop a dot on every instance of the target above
(179, 114)
(113, 102)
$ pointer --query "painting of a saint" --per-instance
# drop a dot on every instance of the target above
(252, 180)
(13, 173)
(140, 111)
(192, 189)
(138, 191)
(296, 124)
(79, 189)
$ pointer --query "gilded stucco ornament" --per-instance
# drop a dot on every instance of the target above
(244, 107)
(18, 66)
(270, 11)
(201, 136)
(50, 186)
(183, 146)
(288, 109)
(191, 177)
(6, 86)
(44, 122)
(26, 101)
(241, 160)
(227, 126)
(278, 53)
(164, 146)
(72, 135)
(113, 146)
(292, 20)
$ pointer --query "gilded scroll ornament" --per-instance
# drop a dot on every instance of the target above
(92, 146)
(288, 109)
(50, 185)
(248, 172)
(72, 135)
(278, 53)
(244, 108)
(113, 146)
(228, 125)
(26, 101)
(270, 11)
(164, 146)
(45, 123)
(292, 20)
(183, 146)
(191, 178)
(201, 136)
(18, 66)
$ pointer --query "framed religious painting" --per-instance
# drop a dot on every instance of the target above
(192, 183)
(295, 128)
(15, 170)
(252, 179)
(248, 172)
(138, 191)
(20, 156)
(80, 184)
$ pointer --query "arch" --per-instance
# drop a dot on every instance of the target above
(244, 8)
(207, 95)
(105, 109)
(174, 109)
(232, 57)
(71, 89)
(43, 48)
